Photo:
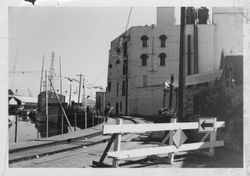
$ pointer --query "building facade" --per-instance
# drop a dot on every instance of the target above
(144, 57)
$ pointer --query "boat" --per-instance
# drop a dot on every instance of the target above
(54, 107)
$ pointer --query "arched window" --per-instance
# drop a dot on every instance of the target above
(144, 58)
(162, 57)
(163, 40)
(144, 41)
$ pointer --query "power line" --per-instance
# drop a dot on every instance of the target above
(23, 72)
(128, 18)
(99, 76)
(130, 11)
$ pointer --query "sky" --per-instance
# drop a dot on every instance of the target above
(81, 36)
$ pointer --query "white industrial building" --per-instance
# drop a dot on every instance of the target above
(143, 57)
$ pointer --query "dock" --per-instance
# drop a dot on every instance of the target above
(47, 146)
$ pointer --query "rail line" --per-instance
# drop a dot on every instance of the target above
(32, 152)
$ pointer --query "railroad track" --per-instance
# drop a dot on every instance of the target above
(32, 152)
(45, 150)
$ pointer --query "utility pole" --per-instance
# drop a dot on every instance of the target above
(80, 84)
(171, 92)
(70, 90)
(85, 107)
(42, 75)
(60, 75)
(182, 64)
(47, 112)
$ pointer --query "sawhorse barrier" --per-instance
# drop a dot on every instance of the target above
(175, 136)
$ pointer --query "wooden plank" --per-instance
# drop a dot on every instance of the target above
(171, 142)
(205, 137)
(104, 154)
(165, 139)
(141, 128)
(162, 150)
(95, 164)
(212, 139)
(117, 144)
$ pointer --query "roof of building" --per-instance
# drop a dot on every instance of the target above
(194, 79)
(26, 99)
(11, 92)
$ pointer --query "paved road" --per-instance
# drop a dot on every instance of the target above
(83, 157)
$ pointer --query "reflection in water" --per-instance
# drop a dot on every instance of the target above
(53, 129)
(29, 129)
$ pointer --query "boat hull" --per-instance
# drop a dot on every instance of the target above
(53, 115)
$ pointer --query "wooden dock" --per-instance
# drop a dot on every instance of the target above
(13, 147)
(60, 143)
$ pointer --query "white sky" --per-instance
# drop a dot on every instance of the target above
(81, 36)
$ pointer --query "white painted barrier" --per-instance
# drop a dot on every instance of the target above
(119, 128)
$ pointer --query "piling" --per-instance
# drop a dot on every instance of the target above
(16, 129)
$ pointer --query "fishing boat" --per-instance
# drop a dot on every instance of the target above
(53, 108)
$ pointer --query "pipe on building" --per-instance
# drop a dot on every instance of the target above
(182, 64)
(196, 62)
(189, 55)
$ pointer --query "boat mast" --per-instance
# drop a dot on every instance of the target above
(52, 71)
(79, 92)
(60, 104)
(60, 75)
(42, 74)
(47, 112)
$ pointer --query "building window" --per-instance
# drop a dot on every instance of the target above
(145, 77)
(125, 49)
(144, 40)
(118, 50)
(144, 58)
(109, 86)
(125, 67)
(117, 108)
(162, 57)
(118, 64)
(120, 106)
(123, 88)
(110, 68)
(117, 89)
(163, 40)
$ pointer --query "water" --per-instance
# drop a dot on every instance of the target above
(28, 130)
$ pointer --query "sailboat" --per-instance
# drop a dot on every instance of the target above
(53, 107)
(49, 102)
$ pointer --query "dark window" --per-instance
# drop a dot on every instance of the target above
(125, 49)
(117, 89)
(162, 57)
(144, 40)
(144, 58)
(163, 40)
(120, 106)
(123, 88)
(117, 108)
(118, 50)
(125, 67)
(118, 62)
(109, 86)
(110, 65)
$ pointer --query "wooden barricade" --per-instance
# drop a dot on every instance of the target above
(173, 128)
